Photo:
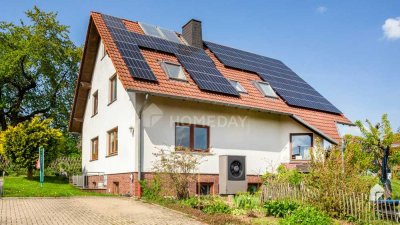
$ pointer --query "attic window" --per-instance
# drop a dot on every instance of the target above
(238, 86)
(266, 89)
(174, 71)
(160, 32)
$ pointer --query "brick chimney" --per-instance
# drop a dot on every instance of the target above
(191, 32)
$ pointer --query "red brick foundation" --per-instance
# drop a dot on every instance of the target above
(120, 184)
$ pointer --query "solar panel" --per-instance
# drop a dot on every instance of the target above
(170, 35)
(291, 87)
(195, 60)
(130, 51)
(150, 30)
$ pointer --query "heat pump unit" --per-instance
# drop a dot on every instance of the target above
(232, 174)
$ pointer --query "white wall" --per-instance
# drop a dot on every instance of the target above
(119, 114)
(263, 138)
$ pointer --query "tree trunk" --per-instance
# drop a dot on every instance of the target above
(30, 173)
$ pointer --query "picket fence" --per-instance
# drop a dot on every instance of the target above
(355, 207)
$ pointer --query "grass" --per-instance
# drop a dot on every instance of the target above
(396, 189)
(53, 187)
(265, 221)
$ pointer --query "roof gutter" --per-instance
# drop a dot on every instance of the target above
(211, 102)
(298, 119)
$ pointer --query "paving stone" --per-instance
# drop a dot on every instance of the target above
(86, 211)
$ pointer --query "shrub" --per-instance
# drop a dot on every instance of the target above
(209, 205)
(21, 143)
(150, 191)
(177, 170)
(65, 166)
(280, 208)
(246, 201)
(306, 216)
(293, 176)
(217, 206)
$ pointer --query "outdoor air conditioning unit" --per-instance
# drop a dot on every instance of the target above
(232, 174)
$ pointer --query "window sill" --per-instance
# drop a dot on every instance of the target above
(194, 152)
(94, 115)
(111, 155)
(92, 160)
(111, 102)
(299, 161)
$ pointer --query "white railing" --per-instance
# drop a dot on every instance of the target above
(82, 180)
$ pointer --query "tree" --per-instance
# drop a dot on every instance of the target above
(22, 142)
(38, 67)
(177, 169)
(377, 138)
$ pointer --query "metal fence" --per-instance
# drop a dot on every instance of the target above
(82, 180)
(355, 207)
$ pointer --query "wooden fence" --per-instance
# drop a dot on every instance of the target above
(351, 206)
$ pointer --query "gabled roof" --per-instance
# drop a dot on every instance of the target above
(322, 122)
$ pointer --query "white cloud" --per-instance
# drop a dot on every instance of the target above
(391, 28)
(322, 9)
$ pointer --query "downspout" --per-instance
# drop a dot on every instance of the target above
(139, 133)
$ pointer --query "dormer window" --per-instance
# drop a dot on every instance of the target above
(174, 71)
(238, 86)
(266, 89)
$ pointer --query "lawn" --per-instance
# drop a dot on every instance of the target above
(396, 189)
(52, 187)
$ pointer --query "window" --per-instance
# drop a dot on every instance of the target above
(194, 137)
(238, 86)
(113, 142)
(95, 149)
(113, 88)
(95, 103)
(265, 89)
(253, 187)
(174, 71)
(204, 188)
(301, 145)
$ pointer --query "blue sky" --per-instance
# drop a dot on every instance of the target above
(339, 47)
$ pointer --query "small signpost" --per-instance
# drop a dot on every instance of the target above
(41, 165)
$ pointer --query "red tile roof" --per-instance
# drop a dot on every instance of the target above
(323, 121)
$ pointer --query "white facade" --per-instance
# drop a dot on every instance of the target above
(119, 114)
(262, 137)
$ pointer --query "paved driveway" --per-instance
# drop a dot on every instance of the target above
(86, 210)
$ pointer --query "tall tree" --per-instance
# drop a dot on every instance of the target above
(38, 68)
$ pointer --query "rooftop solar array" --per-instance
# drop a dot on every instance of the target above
(130, 51)
(294, 90)
(195, 60)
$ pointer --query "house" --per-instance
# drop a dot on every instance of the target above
(142, 88)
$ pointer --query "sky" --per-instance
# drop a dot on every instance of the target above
(347, 50)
